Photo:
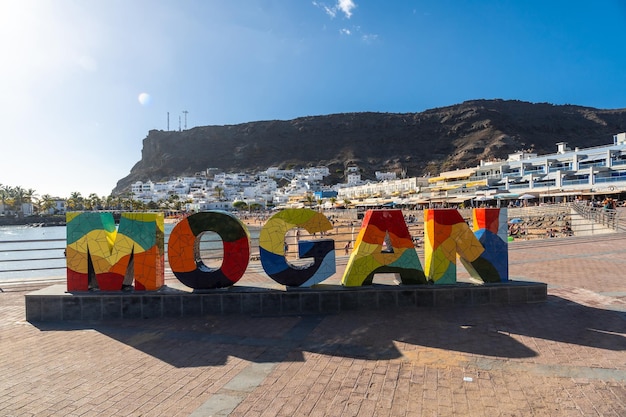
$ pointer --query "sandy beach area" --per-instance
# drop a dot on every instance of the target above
(346, 226)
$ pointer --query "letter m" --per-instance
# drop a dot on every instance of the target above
(101, 256)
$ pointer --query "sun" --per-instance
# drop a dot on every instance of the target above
(144, 99)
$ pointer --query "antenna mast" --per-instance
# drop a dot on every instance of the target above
(185, 113)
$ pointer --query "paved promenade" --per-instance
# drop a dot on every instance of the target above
(564, 357)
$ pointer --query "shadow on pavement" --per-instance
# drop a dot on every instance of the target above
(495, 331)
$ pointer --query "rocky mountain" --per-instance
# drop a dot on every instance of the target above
(435, 140)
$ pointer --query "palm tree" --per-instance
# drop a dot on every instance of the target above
(310, 199)
(33, 199)
(125, 201)
(12, 198)
(46, 203)
(174, 202)
(75, 202)
(18, 198)
(219, 192)
(94, 201)
(138, 204)
(29, 195)
(162, 204)
(4, 194)
(109, 201)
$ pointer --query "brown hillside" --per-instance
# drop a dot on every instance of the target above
(431, 141)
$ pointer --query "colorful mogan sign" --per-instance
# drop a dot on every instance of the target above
(99, 255)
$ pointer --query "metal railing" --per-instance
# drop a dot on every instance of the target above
(620, 177)
(10, 247)
(575, 182)
(609, 218)
(48, 255)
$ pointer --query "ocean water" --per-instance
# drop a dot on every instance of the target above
(28, 253)
(35, 253)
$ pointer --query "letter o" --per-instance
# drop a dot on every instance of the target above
(184, 254)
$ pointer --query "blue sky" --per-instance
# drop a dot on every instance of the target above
(83, 82)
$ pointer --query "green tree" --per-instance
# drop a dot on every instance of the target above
(240, 205)
(255, 207)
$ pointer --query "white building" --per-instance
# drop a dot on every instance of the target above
(384, 189)
(567, 172)
(385, 176)
(140, 187)
(275, 172)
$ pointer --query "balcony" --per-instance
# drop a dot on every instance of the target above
(583, 165)
(544, 184)
(535, 170)
(560, 168)
(575, 182)
(619, 176)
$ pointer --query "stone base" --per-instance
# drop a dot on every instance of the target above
(55, 304)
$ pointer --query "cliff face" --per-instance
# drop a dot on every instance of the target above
(431, 141)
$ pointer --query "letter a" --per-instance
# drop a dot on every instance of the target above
(369, 258)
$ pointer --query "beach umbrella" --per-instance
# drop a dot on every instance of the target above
(515, 220)
(506, 196)
(483, 198)
(526, 197)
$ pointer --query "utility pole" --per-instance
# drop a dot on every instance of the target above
(168, 120)
(185, 113)
(179, 123)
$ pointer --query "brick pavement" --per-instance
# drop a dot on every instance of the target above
(565, 357)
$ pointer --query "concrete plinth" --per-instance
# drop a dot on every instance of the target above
(55, 304)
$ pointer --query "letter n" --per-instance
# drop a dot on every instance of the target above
(483, 253)
(101, 256)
